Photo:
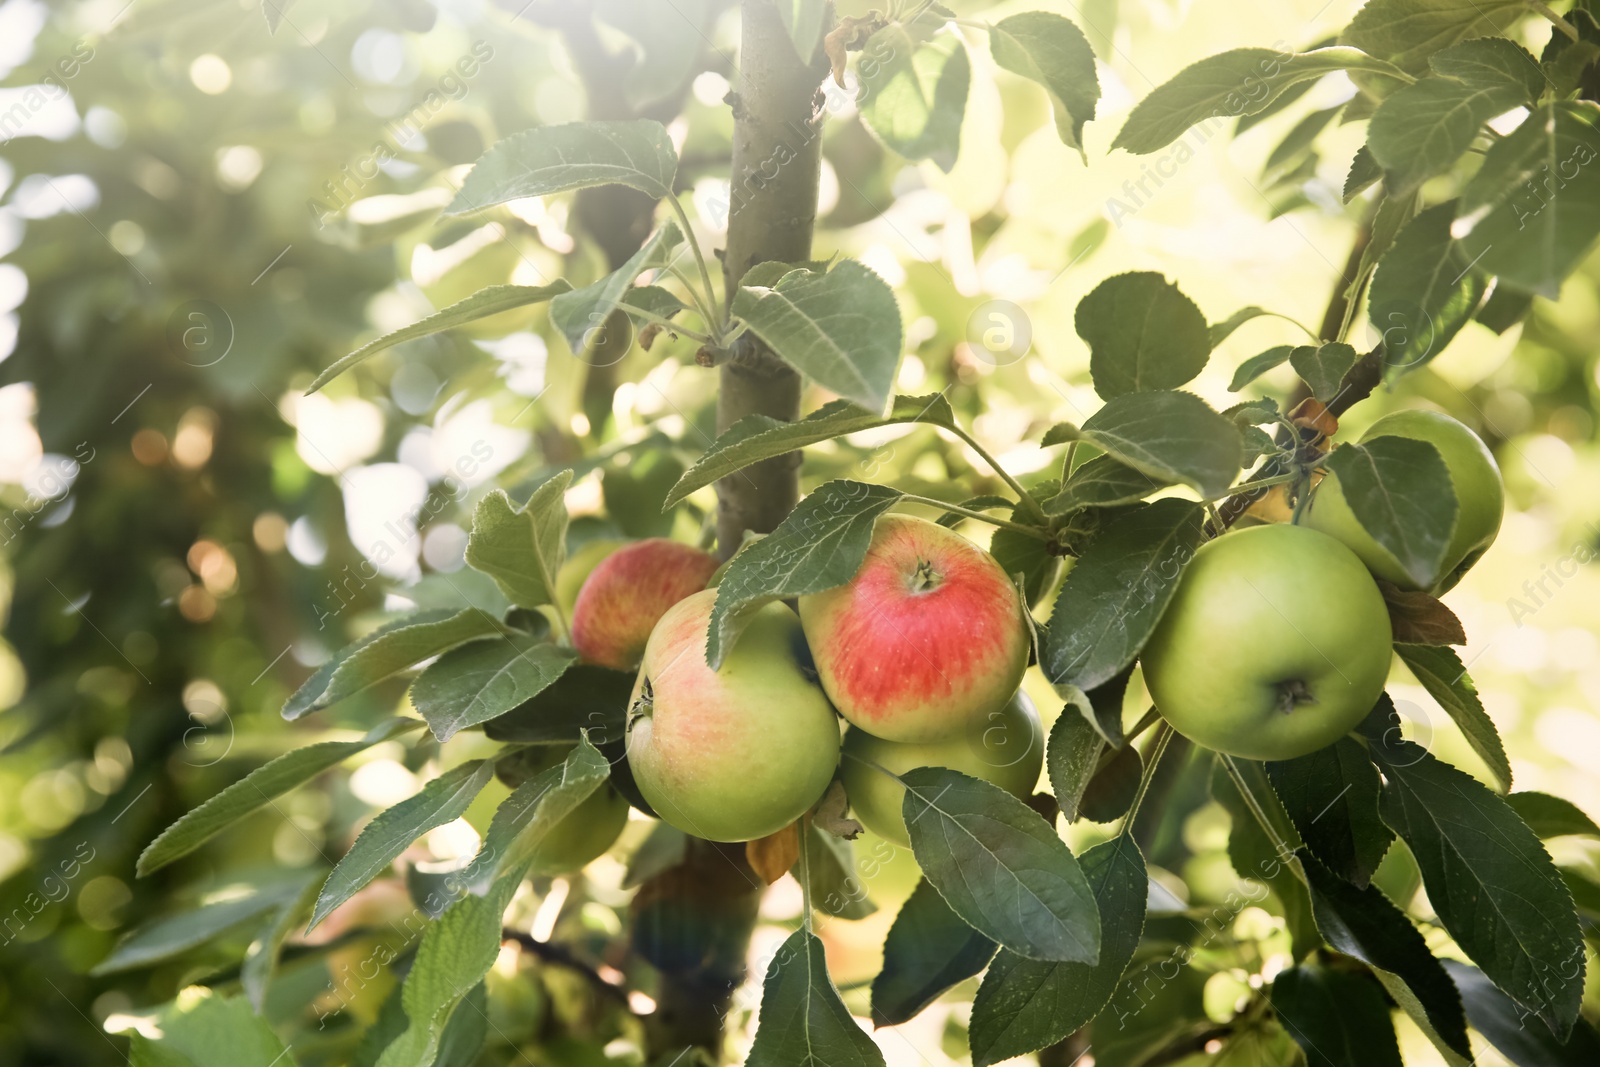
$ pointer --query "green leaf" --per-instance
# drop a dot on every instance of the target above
(653, 299)
(1332, 797)
(485, 679)
(1491, 63)
(1241, 82)
(455, 954)
(468, 1029)
(1504, 309)
(1051, 51)
(1422, 129)
(261, 957)
(1295, 151)
(581, 314)
(256, 790)
(1219, 332)
(1534, 206)
(1488, 878)
(1258, 857)
(420, 637)
(818, 546)
(1505, 1024)
(525, 818)
(306, 699)
(200, 1028)
(841, 329)
(1143, 334)
(1550, 816)
(1364, 173)
(1410, 32)
(172, 935)
(1323, 367)
(1399, 489)
(912, 98)
(586, 698)
(480, 305)
(1027, 560)
(1257, 365)
(831, 867)
(444, 799)
(555, 159)
(928, 950)
(1172, 436)
(1072, 758)
(1424, 291)
(1340, 1019)
(1102, 482)
(1569, 65)
(1364, 924)
(1025, 1005)
(1000, 866)
(1115, 594)
(758, 437)
(272, 11)
(1441, 673)
(803, 1021)
(522, 548)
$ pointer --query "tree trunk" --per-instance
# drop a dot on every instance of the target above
(777, 161)
(694, 922)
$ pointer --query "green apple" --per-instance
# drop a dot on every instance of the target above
(628, 591)
(1006, 749)
(736, 753)
(925, 641)
(581, 837)
(1480, 499)
(1275, 644)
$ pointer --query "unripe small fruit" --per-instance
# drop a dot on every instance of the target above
(628, 592)
(736, 753)
(1007, 749)
(925, 641)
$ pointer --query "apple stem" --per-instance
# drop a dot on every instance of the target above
(1022, 494)
(966, 513)
(1152, 758)
(926, 579)
(642, 707)
(1292, 694)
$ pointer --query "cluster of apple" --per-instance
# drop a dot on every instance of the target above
(922, 653)
(1277, 641)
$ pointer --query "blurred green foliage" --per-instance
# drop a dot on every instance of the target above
(211, 228)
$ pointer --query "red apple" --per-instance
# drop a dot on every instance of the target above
(627, 593)
(739, 752)
(925, 641)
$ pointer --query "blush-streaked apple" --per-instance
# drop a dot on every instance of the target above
(1276, 643)
(1007, 749)
(627, 593)
(926, 640)
(739, 752)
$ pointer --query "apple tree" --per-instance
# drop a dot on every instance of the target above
(1216, 596)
